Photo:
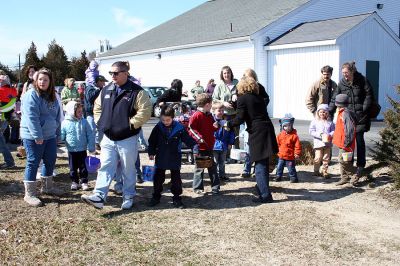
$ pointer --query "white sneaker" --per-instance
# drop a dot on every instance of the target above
(95, 200)
(74, 186)
(85, 187)
(127, 203)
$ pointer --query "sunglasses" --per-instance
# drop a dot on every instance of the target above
(112, 74)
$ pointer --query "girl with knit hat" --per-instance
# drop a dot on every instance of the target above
(321, 128)
(289, 149)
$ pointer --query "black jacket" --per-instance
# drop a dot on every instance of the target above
(116, 110)
(91, 93)
(171, 95)
(251, 109)
(360, 99)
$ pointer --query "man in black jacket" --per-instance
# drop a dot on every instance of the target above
(360, 93)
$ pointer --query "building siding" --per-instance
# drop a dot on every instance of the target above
(372, 42)
(201, 63)
(291, 72)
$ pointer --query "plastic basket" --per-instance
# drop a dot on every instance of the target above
(347, 156)
(92, 164)
(237, 154)
(148, 172)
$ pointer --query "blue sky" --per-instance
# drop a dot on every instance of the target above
(79, 25)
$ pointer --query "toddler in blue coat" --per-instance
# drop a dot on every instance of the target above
(165, 143)
(77, 134)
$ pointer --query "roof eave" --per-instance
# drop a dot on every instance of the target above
(178, 47)
(299, 45)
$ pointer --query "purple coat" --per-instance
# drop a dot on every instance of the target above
(318, 127)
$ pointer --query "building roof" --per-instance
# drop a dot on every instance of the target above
(213, 20)
(322, 30)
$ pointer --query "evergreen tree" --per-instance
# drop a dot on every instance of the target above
(31, 58)
(78, 67)
(57, 61)
(387, 150)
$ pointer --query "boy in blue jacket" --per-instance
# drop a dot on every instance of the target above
(223, 141)
(165, 144)
(77, 134)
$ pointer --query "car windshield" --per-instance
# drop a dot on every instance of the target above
(156, 91)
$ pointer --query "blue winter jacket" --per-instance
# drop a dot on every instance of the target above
(223, 138)
(40, 118)
(166, 143)
(77, 134)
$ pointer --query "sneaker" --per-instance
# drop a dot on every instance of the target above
(75, 186)
(354, 180)
(178, 203)
(294, 180)
(85, 187)
(224, 178)
(139, 179)
(278, 179)
(342, 181)
(153, 202)
(215, 191)
(198, 191)
(5, 166)
(245, 175)
(127, 203)
(94, 199)
(262, 200)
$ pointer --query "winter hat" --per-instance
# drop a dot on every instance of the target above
(101, 78)
(342, 100)
(324, 107)
(70, 108)
(287, 119)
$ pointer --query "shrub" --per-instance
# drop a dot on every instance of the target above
(387, 150)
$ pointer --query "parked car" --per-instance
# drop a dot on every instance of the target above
(155, 92)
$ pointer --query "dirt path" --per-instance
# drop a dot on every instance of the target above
(312, 222)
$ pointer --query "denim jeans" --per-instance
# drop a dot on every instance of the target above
(291, 166)
(36, 152)
(123, 151)
(198, 177)
(247, 164)
(118, 174)
(219, 159)
(360, 141)
(8, 159)
(262, 177)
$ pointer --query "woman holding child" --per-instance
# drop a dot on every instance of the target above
(251, 109)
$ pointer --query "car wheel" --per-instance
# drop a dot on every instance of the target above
(157, 111)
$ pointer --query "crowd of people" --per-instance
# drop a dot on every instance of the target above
(108, 120)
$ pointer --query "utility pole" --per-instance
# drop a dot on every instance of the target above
(19, 68)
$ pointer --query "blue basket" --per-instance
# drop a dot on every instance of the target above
(148, 172)
(92, 164)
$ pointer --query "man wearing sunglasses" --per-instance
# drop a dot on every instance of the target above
(119, 112)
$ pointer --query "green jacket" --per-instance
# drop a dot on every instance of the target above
(69, 95)
(222, 93)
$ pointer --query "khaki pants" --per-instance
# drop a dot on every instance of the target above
(322, 154)
(346, 169)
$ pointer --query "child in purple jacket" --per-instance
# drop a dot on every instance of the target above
(322, 128)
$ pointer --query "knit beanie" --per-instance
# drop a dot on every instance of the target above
(342, 100)
(287, 119)
(324, 107)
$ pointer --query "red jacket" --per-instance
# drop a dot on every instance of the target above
(289, 145)
(344, 136)
(201, 127)
(7, 93)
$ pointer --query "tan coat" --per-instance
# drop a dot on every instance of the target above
(319, 93)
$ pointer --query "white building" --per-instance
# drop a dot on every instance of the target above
(286, 42)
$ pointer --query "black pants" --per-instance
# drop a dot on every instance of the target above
(159, 179)
(76, 161)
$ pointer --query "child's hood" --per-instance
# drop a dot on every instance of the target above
(70, 108)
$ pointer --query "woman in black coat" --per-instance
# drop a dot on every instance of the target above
(251, 109)
(174, 94)
(360, 93)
